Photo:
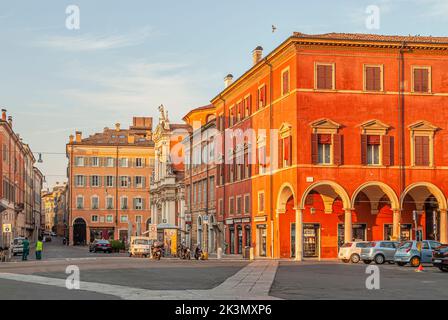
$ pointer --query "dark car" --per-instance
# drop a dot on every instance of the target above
(440, 258)
(100, 245)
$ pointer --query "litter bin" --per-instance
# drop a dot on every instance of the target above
(246, 253)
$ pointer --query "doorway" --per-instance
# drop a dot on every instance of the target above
(79, 232)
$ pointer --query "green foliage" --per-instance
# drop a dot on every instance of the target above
(117, 245)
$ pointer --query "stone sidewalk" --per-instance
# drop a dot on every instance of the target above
(253, 282)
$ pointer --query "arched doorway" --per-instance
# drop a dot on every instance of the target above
(374, 204)
(286, 221)
(427, 203)
(325, 205)
(79, 232)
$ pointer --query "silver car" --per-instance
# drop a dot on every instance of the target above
(408, 252)
(379, 251)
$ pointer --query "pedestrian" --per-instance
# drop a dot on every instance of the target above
(39, 248)
(26, 249)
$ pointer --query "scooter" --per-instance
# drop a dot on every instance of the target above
(156, 253)
(185, 253)
(198, 253)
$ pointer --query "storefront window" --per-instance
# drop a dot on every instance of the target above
(248, 237)
(311, 240)
(232, 240)
(261, 229)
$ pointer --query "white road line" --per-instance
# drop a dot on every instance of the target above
(253, 282)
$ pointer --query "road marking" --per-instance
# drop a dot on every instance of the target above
(252, 282)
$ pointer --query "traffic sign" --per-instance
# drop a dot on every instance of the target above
(7, 228)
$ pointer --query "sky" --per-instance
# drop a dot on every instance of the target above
(128, 57)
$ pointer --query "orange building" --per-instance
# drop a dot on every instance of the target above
(109, 182)
(348, 143)
(20, 185)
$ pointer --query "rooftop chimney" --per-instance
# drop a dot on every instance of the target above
(117, 127)
(228, 80)
(78, 136)
(257, 55)
(4, 114)
(10, 120)
(72, 138)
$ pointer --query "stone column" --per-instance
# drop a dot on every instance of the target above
(443, 226)
(396, 225)
(299, 235)
(348, 228)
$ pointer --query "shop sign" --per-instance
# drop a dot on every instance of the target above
(236, 220)
(152, 231)
(261, 226)
(7, 228)
(260, 219)
(245, 220)
(229, 221)
(188, 217)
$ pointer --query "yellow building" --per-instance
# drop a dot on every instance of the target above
(48, 208)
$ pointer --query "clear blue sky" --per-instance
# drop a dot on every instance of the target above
(131, 56)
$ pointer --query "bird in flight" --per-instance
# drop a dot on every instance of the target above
(274, 28)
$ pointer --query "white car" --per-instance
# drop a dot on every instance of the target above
(17, 246)
(351, 251)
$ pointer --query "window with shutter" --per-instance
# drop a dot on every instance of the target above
(421, 151)
(280, 153)
(373, 78)
(285, 82)
(314, 149)
(421, 79)
(324, 77)
(324, 149)
(337, 149)
(373, 149)
(261, 97)
(364, 149)
(387, 151)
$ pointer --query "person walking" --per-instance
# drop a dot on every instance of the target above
(26, 249)
(39, 249)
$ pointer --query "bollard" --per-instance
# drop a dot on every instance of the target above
(252, 254)
(219, 253)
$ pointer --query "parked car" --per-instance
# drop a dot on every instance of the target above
(408, 252)
(140, 246)
(17, 246)
(440, 258)
(379, 251)
(100, 245)
(351, 251)
(53, 234)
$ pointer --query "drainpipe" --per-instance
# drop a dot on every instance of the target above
(401, 121)
(223, 173)
(271, 177)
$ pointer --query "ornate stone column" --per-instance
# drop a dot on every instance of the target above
(299, 235)
(443, 226)
(396, 224)
(348, 228)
